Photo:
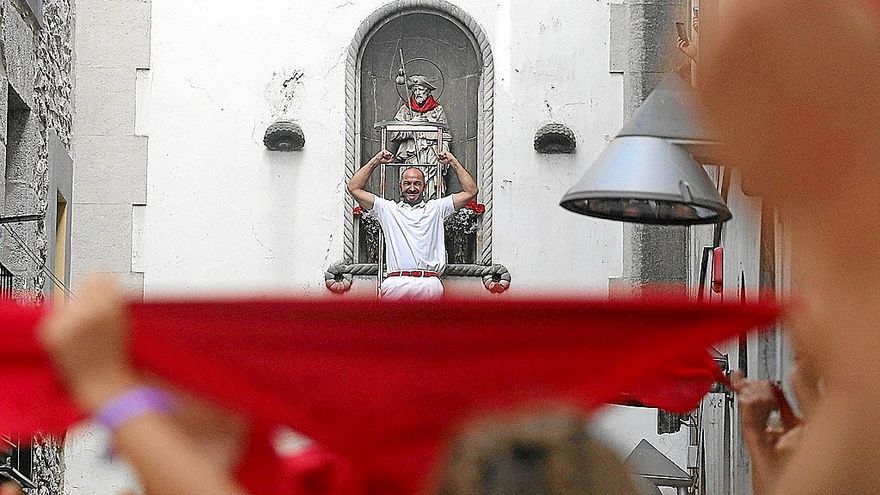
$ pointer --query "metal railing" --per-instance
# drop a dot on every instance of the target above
(5, 283)
(16, 463)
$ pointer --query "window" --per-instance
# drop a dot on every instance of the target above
(60, 263)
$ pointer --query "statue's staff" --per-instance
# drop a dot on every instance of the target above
(401, 79)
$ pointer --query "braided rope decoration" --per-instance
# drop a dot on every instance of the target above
(496, 278)
(487, 98)
(498, 281)
(351, 141)
(488, 153)
(336, 280)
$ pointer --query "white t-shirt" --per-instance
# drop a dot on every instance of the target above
(414, 234)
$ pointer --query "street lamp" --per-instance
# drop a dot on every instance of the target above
(645, 175)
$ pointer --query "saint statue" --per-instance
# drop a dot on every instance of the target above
(420, 148)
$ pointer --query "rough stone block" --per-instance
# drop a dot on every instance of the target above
(4, 103)
(105, 101)
(131, 283)
(652, 46)
(2, 179)
(23, 147)
(113, 33)
(661, 40)
(620, 35)
(20, 198)
(637, 86)
(101, 238)
(111, 169)
(18, 45)
(662, 253)
(17, 251)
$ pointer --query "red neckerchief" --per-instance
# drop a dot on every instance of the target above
(429, 104)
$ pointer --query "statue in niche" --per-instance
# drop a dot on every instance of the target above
(420, 148)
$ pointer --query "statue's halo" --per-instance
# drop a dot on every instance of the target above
(424, 67)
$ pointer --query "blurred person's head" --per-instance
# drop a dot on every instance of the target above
(794, 99)
(805, 383)
(545, 454)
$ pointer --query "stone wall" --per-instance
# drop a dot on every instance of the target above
(113, 60)
(37, 62)
(54, 71)
(48, 472)
(642, 38)
(36, 65)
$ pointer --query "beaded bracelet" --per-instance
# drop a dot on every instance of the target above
(131, 404)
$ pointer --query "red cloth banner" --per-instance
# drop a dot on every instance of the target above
(384, 384)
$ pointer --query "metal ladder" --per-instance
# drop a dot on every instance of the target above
(384, 128)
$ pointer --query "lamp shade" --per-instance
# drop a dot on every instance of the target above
(647, 179)
(669, 112)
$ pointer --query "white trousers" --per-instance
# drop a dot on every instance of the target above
(411, 288)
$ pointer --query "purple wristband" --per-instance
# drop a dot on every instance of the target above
(131, 404)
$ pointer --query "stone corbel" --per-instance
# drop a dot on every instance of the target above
(555, 138)
(284, 135)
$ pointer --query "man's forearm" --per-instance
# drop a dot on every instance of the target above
(468, 184)
(360, 178)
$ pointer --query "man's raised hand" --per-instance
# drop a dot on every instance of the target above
(446, 158)
(383, 156)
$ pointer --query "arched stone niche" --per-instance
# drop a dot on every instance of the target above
(447, 35)
(422, 35)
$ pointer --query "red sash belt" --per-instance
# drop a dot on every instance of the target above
(414, 273)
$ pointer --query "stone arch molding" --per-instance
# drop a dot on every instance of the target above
(338, 276)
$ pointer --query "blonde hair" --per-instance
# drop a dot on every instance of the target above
(545, 454)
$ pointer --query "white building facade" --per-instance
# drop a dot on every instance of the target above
(223, 212)
(220, 213)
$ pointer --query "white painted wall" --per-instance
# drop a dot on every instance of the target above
(641, 423)
(89, 466)
(225, 214)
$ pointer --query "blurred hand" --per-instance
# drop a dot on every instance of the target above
(756, 401)
(10, 488)
(88, 339)
(770, 447)
(218, 433)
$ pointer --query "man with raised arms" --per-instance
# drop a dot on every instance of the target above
(415, 249)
